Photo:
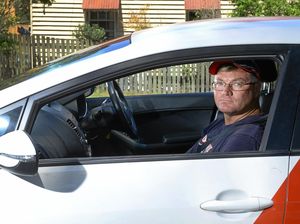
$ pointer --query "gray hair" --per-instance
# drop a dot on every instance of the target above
(229, 67)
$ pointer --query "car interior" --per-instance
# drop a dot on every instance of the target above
(108, 120)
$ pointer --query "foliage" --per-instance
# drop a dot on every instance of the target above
(138, 20)
(22, 8)
(11, 13)
(22, 11)
(266, 8)
(45, 2)
(89, 32)
(7, 19)
(6, 43)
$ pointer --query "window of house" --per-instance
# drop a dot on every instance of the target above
(202, 14)
(107, 19)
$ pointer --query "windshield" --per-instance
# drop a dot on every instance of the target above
(67, 60)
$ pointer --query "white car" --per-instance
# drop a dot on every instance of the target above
(74, 149)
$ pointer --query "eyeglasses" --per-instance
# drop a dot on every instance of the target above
(235, 85)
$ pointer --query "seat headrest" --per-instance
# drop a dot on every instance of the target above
(265, 101)
(268, 70)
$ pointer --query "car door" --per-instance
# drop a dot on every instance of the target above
(173, 188)
(292, 96)
(156, 190)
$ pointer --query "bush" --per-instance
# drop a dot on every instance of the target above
(89, 32)
(266, 8)
(6, 43)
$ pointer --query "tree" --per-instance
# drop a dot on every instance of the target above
(266, 8)
(11, 13)
(7, 19)
(45, 2)
(22, 8)
(138, 20)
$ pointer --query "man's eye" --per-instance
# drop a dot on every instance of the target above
(220, 84)
(237, 84)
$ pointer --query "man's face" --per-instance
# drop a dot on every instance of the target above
(232, 102)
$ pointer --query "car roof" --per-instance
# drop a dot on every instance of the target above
(179, 36)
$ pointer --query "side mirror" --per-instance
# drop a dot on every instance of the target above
(18, 154)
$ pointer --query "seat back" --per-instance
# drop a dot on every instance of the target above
(265, 101)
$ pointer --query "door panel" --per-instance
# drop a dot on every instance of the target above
(144, 192)
(172, 115)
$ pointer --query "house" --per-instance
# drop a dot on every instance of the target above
(118, 17)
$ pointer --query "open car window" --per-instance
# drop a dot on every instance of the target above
(163, 110)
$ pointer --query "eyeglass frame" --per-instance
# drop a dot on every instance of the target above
(230, 85)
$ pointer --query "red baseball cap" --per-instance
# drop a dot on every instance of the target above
(246, 65)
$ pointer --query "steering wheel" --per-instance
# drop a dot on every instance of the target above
(121, 106)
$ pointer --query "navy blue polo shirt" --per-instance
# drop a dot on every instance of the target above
(243, 135)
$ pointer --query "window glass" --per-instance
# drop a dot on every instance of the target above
(184, 78)
(105, 19)
(9, 120)
(93, 15)
(296, 139)
(202, 14)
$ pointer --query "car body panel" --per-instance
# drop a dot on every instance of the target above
(143, 192)
(293, 197)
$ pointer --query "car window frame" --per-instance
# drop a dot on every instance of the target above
(295, 145)
(153, 61)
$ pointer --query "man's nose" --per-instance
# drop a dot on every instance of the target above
(227, 90)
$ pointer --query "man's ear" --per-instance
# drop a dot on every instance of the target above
(258, 90)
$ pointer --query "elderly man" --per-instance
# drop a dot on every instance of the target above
(236, 88)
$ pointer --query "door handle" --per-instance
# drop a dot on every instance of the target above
(252, 204)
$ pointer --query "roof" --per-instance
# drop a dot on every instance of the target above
(100, 4)
(204, 33)
(203, 4)
(219, 32)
